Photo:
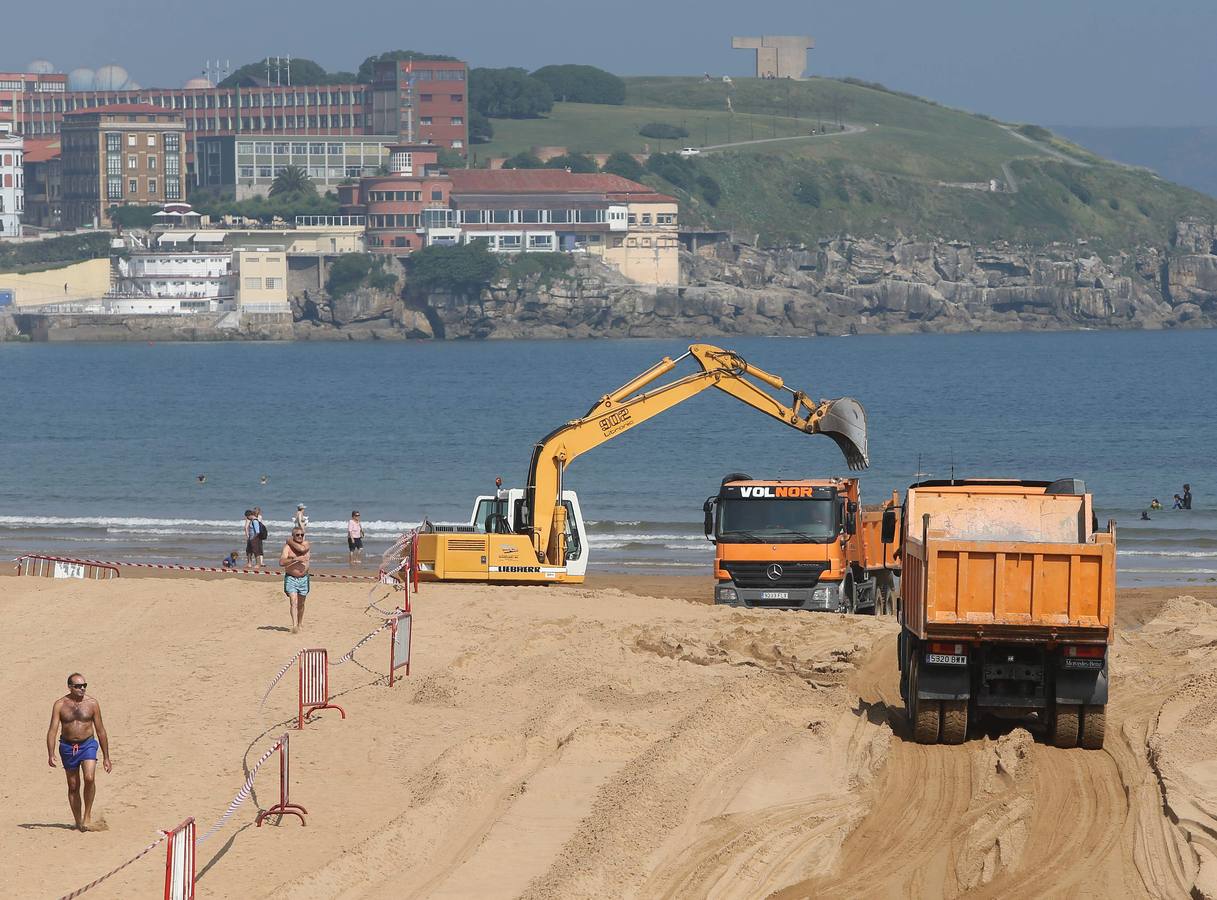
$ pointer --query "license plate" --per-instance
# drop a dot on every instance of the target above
(775, 595)
(944, 659)
(1071, 663)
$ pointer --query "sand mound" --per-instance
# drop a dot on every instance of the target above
(590, 743)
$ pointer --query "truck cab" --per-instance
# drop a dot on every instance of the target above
(496, 545)
(782, 544)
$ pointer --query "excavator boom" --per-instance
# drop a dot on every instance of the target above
(843, 420)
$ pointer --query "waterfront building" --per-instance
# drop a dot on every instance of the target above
(172, 272)
(260, 275)
(426, 102)
(246, 167)
(12, 184)
(630, 226)
(43, 183)
(120, 155)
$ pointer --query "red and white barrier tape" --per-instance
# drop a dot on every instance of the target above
(346, 657)
(241, 794)
(96, 882)
(179, 568)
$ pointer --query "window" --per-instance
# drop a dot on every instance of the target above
(424, 120)
(335, 149)
(114, 142)
(665, 218)
(130, 140)
(458, 120)
(280, 148)
(262, 148)
(400, 242)
(425, 98)
(437, 195)
(244, 147)
(265, 172)
(317, 149)
(152, 140)
(646, 218)
(151, 163)
(500, 216)
(133, 186)
(300, 149)
(173, 143)
(646, 242)
(457, 145)
(530, 215)
(114, 188)
(132, 162)
(247, 171)
(632, 242)
(253, 284)
(151, 185)
(560, 216)
(114, 164)
(173, 189)
(631, 219)
(274, 284)
(457, 98)
(540, 240)
(509, 240)
(172, 165)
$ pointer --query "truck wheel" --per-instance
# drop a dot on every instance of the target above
(926, 715)
(1066, 724)
(954, 721)
(850, 595)
(1094, 724)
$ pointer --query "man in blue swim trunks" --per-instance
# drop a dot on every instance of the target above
(76, 717)
(295, 559)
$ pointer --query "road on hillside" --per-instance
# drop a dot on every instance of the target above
(848, 129)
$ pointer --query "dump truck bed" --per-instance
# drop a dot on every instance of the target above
(1006, 561)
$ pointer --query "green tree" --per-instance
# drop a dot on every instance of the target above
(458, 269)
(480, 128)
(674, 168)
(353, 270)
(582, 84)
(576, 162)
(808, 191)
(621, 163)
(303, 71)
(368, 67)
(291, 180)
(710, 189)
(508, 94)
(523, 160)
(133, 216)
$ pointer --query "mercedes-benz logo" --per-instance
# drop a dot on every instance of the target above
(774, 572)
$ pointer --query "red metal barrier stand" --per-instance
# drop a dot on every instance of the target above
(315, 684)
(284, 807)
(179, 863)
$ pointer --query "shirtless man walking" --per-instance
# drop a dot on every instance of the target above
(76, 717)
(295, 559)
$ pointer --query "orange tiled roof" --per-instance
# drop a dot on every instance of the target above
(39, 150)
(555, 181)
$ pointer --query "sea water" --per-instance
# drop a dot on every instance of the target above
(102, 445)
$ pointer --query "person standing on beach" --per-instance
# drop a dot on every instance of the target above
(77, 719)
(300, 519)
(354, 538)
(261, 535)
(295, 560)
(251, 531)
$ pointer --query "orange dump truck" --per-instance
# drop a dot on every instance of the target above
(1007, 608)
(805, 544)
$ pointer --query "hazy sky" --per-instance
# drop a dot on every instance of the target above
(1084, 62)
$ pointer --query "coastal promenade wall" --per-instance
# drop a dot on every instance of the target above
(88, 280)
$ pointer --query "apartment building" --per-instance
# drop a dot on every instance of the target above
(435, 93)
(12, 181)
(120, 155)
(43, 182)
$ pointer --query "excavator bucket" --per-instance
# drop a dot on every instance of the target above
(844, 420)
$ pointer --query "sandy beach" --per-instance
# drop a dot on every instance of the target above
(621, 739)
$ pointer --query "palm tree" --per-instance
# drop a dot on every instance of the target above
(291, 180)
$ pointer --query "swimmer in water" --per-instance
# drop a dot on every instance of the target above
(1145, 515)
(201, 478)
(263, 479)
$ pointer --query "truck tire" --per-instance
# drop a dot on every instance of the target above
(1094, 724)
(1065, 725)
(924, 715)
(954, 721)
(850, 595)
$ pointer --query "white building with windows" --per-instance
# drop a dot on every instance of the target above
(245, 166)
(175, 274)
(12, 181)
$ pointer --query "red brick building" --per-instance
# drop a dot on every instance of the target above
(422, 101)
(395, 203)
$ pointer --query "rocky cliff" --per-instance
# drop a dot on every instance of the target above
(845, 285)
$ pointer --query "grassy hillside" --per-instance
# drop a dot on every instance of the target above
(907, 171)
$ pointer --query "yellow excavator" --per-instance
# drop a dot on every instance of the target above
(537, 535)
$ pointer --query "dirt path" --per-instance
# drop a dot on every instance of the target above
(1006, 816)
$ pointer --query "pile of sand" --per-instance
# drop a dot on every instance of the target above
(577, 743)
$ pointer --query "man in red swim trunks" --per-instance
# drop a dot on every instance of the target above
(76, 717)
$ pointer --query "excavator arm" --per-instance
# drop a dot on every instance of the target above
(844, 420)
